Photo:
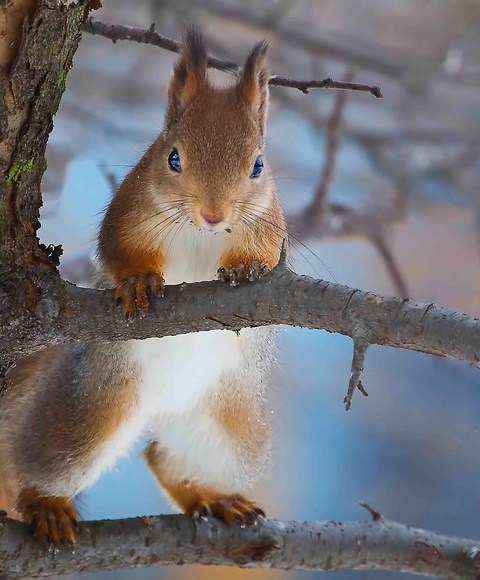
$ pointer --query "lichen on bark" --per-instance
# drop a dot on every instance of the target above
(32, 85)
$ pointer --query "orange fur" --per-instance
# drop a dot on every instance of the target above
(75, 398)
(261, 243)
(8, 496)
(218, 133)
(244, 423)
(53, 519)
(195, 499)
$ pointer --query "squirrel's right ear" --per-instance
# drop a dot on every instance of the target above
(189, 75)
(253, 84)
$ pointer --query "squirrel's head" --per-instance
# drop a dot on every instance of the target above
(212, 147)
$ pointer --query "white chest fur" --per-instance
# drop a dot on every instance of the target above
(178, 371)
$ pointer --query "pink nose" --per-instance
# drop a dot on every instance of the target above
(212, 218)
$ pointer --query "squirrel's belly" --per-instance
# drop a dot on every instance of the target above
(177, 371)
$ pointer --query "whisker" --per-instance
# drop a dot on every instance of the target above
(171, 218)
(181, 224)
(159, 223)
(171, 206)
(290, 235)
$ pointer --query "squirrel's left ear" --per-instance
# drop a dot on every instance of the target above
(253, 84)
(189, 75)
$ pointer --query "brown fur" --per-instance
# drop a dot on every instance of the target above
(61, 406)
(218, 133)
(57, 408)
(244, 424)
(98, 413)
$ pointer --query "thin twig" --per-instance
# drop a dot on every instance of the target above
(360, 347)
(327, 83)
(315, 211)
(393, 269)
(149, 36)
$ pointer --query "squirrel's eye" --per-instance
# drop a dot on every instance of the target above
(257, 167)
(174, 161)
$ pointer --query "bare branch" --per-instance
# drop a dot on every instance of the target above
(149, 36)
(393, 269)
(59, 312)
(360, 346)
(167, 540)
(327, 83)
(315, 211)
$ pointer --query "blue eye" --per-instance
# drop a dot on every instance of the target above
(257, 168)
(174, 161)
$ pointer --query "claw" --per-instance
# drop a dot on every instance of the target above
(234, 275)
(233, 508)
(133, 293)
(222, 275)
(53, 519)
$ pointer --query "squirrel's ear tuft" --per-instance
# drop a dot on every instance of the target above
(253, 84)
(189, 74)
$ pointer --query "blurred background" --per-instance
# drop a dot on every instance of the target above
(396, 210)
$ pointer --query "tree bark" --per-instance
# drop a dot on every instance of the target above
(32, 82)
(165, 540)
(62, 313)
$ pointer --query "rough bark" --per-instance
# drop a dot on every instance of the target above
(139, 542)
(65, 313)
(32, 84)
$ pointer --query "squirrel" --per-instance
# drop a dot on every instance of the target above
(200, 204)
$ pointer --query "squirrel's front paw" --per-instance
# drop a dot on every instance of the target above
(132, 293)
(241, 272)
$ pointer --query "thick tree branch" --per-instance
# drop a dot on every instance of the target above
(142, 542)
(60, 312)
(116, 32)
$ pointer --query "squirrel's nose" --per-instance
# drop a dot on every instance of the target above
(211, 218)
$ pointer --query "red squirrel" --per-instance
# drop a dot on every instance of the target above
(200, 204)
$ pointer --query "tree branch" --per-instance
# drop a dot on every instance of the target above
(59, 312)
(175, 539)
(116, 32)
(314, 213)
(360, 347)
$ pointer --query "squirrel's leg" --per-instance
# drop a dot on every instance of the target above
(61, 412)
(196, 499)
(203, 458)
(53, 519)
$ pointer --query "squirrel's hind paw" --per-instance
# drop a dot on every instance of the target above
(132, 293)
(53, 519)
(241, 272)
(233, 509)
